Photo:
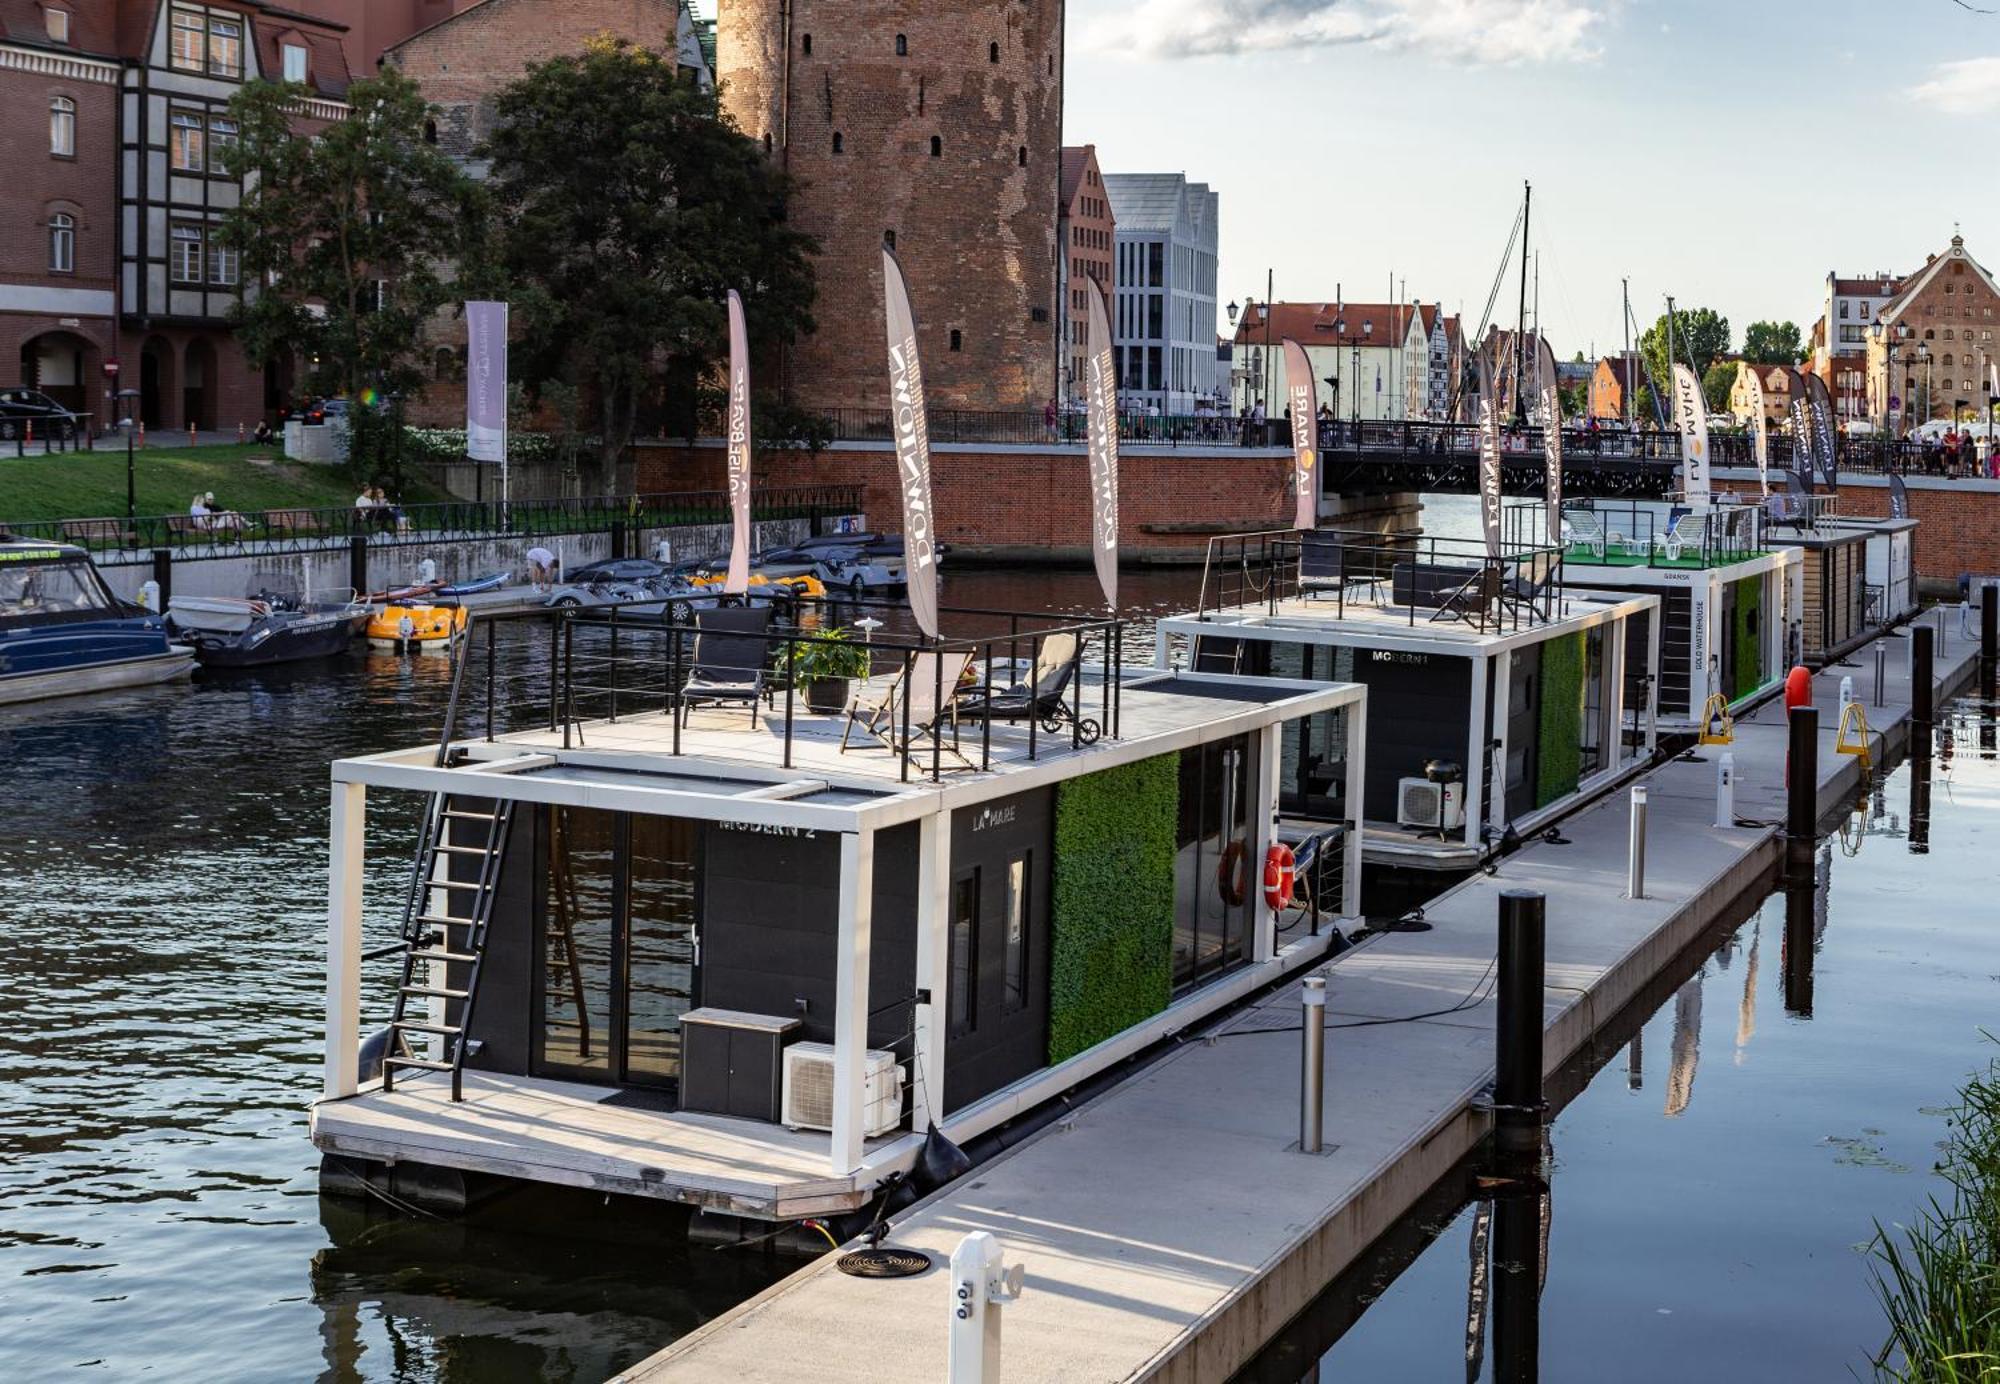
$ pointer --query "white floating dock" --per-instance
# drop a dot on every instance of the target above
(1170, 1228)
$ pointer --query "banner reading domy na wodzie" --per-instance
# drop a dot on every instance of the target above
(1102, 384)
(1760, 427)
(1802, 448)
(1302, 396)
(738, 581)
(1489, 461)
(1550, 392)
(1691, 421)
(486, 385)
(1819, 408)
(913, 446)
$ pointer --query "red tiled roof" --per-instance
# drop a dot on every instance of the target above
(1317, 324)
(1075, 157)
(1878, 286)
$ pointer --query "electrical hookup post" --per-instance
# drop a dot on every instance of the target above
(486, 393)
(980, 1285)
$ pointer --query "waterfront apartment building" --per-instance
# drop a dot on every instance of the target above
(117, 122)
(1163, 315)
(1781, 384)
(1941, 327)
(1086, 235)
(1849, 309)
(1372, 360)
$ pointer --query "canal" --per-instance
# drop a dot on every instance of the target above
(162, 885)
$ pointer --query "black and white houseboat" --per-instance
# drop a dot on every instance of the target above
(670, 935)
(1500, 697)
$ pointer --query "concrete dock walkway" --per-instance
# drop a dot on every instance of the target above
(1171, 1227)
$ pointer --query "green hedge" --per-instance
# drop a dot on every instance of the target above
(1559, 764)
(1749, 649)
(1112, 917)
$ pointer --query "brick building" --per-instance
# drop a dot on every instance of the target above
(1614, 388)
(1781, 384)
(932, 124)
(1941, 327)
(1371, 360)
(1086, 232)
(116, 113)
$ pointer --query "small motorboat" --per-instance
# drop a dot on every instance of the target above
(492, 581)
(266, 629)
(417, 628)
(63, 632)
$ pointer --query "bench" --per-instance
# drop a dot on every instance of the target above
(89, 532)
(289, 523)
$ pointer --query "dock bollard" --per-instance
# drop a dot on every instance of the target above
(1517, 1086)
(1312, 1065)
(1725, 790)
(1923, 691)
(1846, 694)
(980, 1284)
(1635, 864)
(1802, 789)
(1881, 670)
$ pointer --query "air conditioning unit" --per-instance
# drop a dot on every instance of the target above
(1417, 804)
(808, 1095)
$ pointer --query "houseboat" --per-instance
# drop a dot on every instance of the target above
(670, 935)
(1729, 598)
(63, 632)
(1500, 697)
(1857, 574)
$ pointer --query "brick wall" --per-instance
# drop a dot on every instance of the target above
(975, 225)
(1025, 502)
(1958, 522)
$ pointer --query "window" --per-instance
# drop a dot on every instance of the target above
(185, 143)
(937, 146)
(889, 239)
(839, 145)
(430, 132)
(993, 52)
(221, 143)
(1843, 309)
(62, 243)
(957, 340)
(62, 127)
(963, 1009)
(1021, 156)
(295, 62)
(189, 51)
(57, 24)
(1864, 312)
(225, 47)
(51, 592)
(222, 266)
(902, 46)
(185, 258)
(1016, 993)
(806, 44)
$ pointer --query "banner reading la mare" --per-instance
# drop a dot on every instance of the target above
(1489, 460)
(1691, 419)
(913, 446)
(1103, 425)
(738, 581)
(1303, 396)
(1550, 384)
(486, 381)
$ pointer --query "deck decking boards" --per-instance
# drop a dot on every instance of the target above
(1167, 1229)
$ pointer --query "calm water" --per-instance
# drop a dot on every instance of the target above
(161, 888)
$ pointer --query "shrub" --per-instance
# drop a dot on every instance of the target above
(1560, 750)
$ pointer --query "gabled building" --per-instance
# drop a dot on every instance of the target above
(1781, 384)
(1370, 359)
(1614, 386)
(1163, 315)
(1086, 237)
(1939, 332)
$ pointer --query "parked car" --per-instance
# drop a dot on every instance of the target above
(616, 569)
(21, 407)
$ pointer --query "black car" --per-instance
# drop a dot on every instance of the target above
(21, 407)
(616, 569)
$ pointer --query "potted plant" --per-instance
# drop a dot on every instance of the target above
(825, 665)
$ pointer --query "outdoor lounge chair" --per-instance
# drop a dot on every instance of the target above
(1584, 530)
(1043, 697)
(1689, 530)
(1474, 598)
(729, 651)
(1527, 592)
(932, 684)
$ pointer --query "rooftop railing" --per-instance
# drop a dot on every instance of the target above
(1629, 534)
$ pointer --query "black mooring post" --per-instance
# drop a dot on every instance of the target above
(1923, 689)
(1802, 790)
(357, 563)
(1989, 635)
(1799, 946)
(1517, 1089)
(1517, 1289)
(617, 539)
(163, 573)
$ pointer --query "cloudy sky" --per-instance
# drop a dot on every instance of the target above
(1729, 152)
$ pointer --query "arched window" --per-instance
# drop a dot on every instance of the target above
(62, 127)
(1021, 156)
(767, 141)
(937, 146)
(839, 145)
(902, 45)
(62, 243)
(430, 132)
(889, 239)
(806, 44)
(993, 52)
(957, 340)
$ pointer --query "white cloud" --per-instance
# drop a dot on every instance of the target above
(1461, 31)
(1971, 87)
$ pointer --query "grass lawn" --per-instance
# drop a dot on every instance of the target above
(85, 485)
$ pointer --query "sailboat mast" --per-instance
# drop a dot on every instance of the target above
(1521, 316)
(1540, 383)
(1631, 385)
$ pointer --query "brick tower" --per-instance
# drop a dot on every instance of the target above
(937, 123)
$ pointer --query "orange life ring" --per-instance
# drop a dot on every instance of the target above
(1280, 876)
(1231, 872)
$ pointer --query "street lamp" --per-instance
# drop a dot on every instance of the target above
(131, 473)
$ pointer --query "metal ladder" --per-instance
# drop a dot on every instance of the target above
(1213, 655)
(453, 938)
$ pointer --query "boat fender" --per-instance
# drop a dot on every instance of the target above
(1231, 873)
(938, 1162)
(373, 1049)
(1280, 876)
(406, 628)
(1798, 689)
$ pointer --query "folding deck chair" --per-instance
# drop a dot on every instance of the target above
(931, 682)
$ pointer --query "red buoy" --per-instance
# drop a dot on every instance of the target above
(1798, 688)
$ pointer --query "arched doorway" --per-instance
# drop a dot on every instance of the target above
(199, 385)
(156, 381)
(61, 365)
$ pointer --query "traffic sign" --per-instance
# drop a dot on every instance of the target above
(111, 369)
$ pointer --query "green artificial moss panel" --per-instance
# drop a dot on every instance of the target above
(1559, 751)
(1749, 648)
(1111, 921)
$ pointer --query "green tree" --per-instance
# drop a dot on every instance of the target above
(347, 238)
(632, 205)
(1716, 384)
(1700, 335)
(1773, 343)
